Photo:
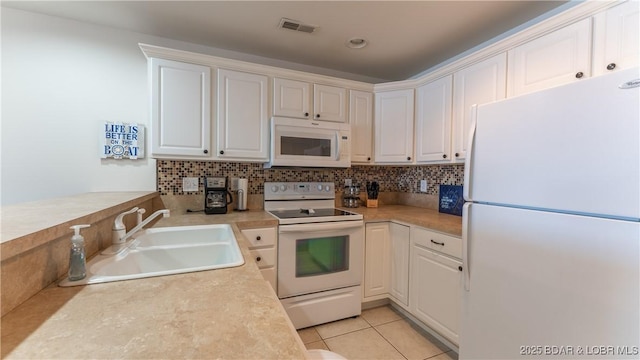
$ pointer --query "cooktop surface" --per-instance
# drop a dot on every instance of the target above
(309, 213)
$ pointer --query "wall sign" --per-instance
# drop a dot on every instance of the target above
(122, 141)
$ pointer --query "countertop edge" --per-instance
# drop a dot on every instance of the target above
(21, 243)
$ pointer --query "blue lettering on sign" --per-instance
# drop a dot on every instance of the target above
(121, 140)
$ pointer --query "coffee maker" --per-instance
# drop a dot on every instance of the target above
(215, 195)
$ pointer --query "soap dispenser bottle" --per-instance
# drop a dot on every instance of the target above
(77, 260)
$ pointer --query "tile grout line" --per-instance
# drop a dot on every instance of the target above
(389, 342)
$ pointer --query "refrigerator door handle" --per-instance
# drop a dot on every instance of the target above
(465, 245)
(467, 161)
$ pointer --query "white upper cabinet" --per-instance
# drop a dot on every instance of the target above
(180, 109)
(617, 38)
(394, 126)
(433, 121)
(553, 59)
(243, 117)
(329, 103)
(477, 84)
(361, 120)
(292, 98)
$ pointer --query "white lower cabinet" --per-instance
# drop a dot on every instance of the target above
(399, 246)
(419, 270)
(376, 264)
(436, 285)
(264, 250)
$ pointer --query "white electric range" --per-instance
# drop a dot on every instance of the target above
(320, 252)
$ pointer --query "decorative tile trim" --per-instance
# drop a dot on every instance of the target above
(405, 179)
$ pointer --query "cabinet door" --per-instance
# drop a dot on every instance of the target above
(361, 120)
(243, 118)
(616, 38)
(376, 263)
(180, 109)
(554, 59)
(433, 121)
(435, 291)
(394, 126)
(291, 98)
(400, 245)
(329, 103)
(477, 84)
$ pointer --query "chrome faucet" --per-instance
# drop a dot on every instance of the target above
(119, 234)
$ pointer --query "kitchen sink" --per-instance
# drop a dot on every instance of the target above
(166, 251)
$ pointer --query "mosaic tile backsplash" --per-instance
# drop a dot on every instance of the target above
(403, 179)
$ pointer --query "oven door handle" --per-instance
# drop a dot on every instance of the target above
(338, 225)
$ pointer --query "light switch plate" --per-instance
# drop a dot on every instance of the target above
(347, 182)
(189, 184)
(423, 185)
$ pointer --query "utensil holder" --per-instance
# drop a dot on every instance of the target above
(372, 203)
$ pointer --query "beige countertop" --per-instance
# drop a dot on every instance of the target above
(28, 225)
(223, 314)
(432, 219)
(219, 314)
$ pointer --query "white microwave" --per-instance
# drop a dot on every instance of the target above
(309, 143)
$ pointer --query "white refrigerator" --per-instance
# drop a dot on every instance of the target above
(551, 229)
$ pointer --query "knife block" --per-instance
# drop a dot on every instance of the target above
(372, 203)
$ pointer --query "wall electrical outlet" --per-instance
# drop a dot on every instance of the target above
(347, 182)
(423, 185)
(189, 184)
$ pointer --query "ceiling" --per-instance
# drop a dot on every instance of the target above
(404, 37)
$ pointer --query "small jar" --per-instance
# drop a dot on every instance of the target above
(351, 196)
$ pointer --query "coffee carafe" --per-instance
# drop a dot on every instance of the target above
(216, 195)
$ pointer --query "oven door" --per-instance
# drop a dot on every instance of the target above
(319, 256)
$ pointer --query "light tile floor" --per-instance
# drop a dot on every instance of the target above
(379, 333)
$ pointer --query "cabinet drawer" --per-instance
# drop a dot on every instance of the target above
(261, 237)
(264, 257)
(446, 244)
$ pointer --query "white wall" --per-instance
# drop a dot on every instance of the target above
(61, 79)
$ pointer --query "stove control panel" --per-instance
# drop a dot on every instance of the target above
(299, 190)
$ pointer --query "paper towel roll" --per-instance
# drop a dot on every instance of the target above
(243, 185)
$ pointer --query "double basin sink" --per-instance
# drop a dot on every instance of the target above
(166, 251)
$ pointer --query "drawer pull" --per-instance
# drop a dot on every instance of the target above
(460, 268)
(258, 258)
(258, 238)
(437, 243)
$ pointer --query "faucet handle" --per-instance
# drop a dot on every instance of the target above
(140, 212)
(118, 224)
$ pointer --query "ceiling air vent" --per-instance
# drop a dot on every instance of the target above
(296, 26)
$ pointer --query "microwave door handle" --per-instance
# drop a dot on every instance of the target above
(339, 146)
(339, 225)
